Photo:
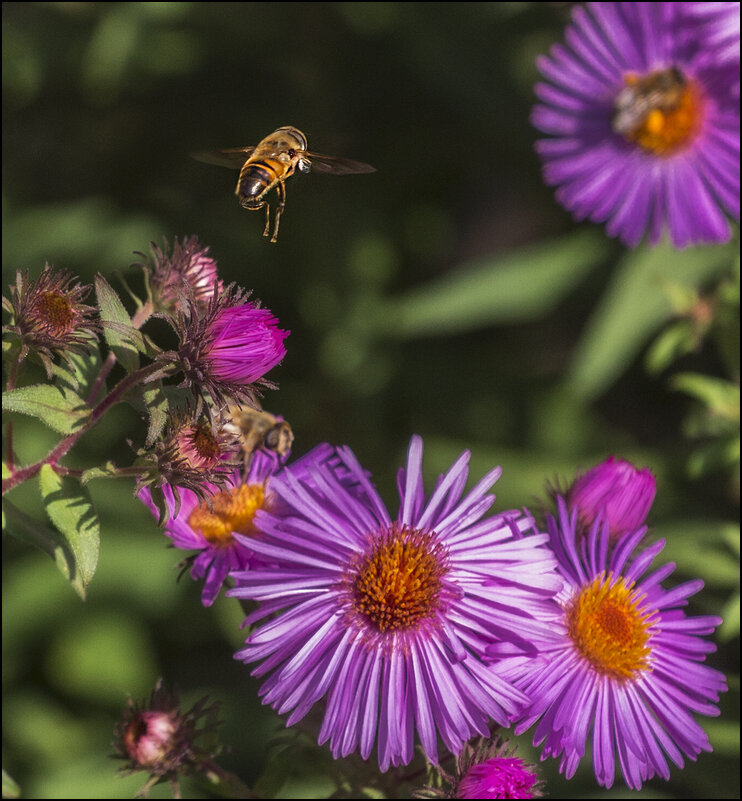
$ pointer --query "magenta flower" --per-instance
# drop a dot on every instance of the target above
(499, 777)
(245, 343)
(615, 491)
(226, 348)
(625, 661)
(643, 124)
(387, 620)
(208, 526)
(485, 768)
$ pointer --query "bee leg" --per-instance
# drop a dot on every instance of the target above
(267, 220)
(281, 189)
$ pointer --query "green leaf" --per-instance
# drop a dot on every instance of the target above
(124, 340)
(720, 396)
(157, 407)
(80, 374)
(518, 286)
(71, 509)
(699, 548)
(59, 408)
(636, 304)
(729, 628)
(108, 470)
(153, 400)
(717, 455)
(19, 525)
(672, 343)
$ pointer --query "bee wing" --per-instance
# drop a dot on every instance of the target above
(233, 157)
(336, 165)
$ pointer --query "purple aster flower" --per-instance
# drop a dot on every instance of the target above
(720, 23)
(625, 661)
(616, 491)
(210, 525)
(643, 124)
(227, 347)
(246, 343)
(387, 620)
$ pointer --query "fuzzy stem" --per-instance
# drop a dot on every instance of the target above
(113, 397)
(137, 321)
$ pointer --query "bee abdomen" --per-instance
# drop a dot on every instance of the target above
(256, 179)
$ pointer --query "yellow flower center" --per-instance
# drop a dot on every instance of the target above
(399, 583)
(609, 628)
(660, 112)
(56, 312)
(227, 512)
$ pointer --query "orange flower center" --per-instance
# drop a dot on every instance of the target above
(660, 112)
(399, 583)
(227, 512)
(56, 312)
(609, 628)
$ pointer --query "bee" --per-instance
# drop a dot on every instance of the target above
(661, 90)
(268, 164)
(260, 430)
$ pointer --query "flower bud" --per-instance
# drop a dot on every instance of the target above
(156, 737)
(184, 268)
(616, 491)
(48, 316)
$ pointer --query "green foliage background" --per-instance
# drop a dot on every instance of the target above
(447, 294)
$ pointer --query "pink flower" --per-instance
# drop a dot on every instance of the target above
(616, 491)
(245, 343)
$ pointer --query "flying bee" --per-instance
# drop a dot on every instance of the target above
(661, 90)
(259, 430)
(268, 164)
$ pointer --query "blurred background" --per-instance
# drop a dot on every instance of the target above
(447, 295)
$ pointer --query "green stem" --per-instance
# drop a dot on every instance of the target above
(113, 397)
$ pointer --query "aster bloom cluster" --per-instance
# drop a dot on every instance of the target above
(432, 625)
(418, 632)
(643, 120)
(225, 347)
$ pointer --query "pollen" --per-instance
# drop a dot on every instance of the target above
(398, 584)
(609, 628)
(229, 511)
(661, 113)
(199, 446)
(205, 443)
(55, 313)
